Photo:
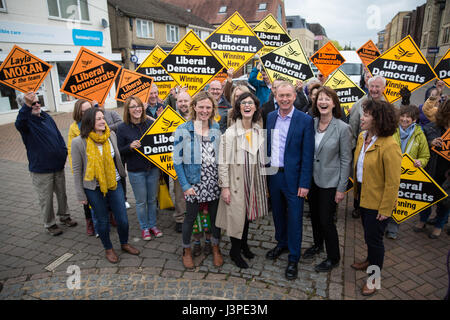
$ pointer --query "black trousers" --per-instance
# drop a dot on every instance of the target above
(236, 244)
(192, 210)
(373, 233)
(323, 208)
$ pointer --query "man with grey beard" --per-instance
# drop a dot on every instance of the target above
(47, 153)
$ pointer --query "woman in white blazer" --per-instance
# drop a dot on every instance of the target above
(332, 163)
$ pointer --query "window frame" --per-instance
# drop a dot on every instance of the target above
(67, 19)
(262, 9)
(4, 9)
(168, 32)
(151, 35)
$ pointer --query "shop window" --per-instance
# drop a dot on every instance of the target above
(63, 70)
(8, 98)
(68, 9)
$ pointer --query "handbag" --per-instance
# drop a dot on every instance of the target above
(164, 200)
(202, 223)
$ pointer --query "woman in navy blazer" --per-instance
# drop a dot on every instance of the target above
(332, 163)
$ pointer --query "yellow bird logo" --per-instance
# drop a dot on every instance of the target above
(168, 124)
(268, 26)
(190, 47)
(235, 27)
(403, 53)
(291, 52)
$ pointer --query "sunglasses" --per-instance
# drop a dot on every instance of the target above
(35, 103)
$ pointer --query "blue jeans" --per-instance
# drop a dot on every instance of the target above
(441, 215)
(145, 188)
(99, 204)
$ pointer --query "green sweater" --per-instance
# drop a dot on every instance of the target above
(419, 149)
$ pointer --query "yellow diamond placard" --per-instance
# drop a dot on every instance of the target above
(347, 91)
(288, 63)
(191, 63)
(234, 42)
(151, 67)
(271, 33)
(442, 68)
(417, 191)
(403, 65)
(157, 142)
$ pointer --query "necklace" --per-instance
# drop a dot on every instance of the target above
(322, 131)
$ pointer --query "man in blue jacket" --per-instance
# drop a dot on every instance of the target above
(47, 153)
(290, 138)
(262, 87)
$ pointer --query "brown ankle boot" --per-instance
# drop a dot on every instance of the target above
(187, 258)
(217, 256)
(111, 256)
(360, 265)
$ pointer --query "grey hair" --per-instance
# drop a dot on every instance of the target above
(20, 99)
(383, 79)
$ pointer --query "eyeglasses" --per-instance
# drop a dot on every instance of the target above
(134, 107)
(248, 103)
(35, 103)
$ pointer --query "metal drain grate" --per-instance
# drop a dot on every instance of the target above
(55, 264)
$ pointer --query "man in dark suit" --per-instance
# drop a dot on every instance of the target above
(300, 102)
(290, 138)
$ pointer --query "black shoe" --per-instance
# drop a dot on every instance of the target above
(356, 214)
(179, 227)
(291, 270)
(276, 252)
(311, 252)
(326, 266)
(238, 261)
(246, 252)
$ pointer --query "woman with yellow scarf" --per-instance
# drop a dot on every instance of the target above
(97, 170)
(74, 131)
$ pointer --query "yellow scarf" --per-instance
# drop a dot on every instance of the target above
(100, 166)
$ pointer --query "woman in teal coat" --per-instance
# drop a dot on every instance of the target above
(412, 140)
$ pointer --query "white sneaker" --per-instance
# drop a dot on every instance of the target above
(127, 205)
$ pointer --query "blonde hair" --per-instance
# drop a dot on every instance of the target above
(233, 94)
(203, 95)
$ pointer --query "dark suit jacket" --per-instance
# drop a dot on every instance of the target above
(298, 151)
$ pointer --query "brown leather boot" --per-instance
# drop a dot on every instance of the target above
(217, 256)
(360, 265)
(130, 249)
(188, 263)
(365, 291)
(90, 227)
(111, 256)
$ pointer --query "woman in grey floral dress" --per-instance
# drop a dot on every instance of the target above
(195, 156)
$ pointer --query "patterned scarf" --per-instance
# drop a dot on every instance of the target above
(405, 135)
(100, 166)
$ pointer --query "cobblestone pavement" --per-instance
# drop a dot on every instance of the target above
(415, 266)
